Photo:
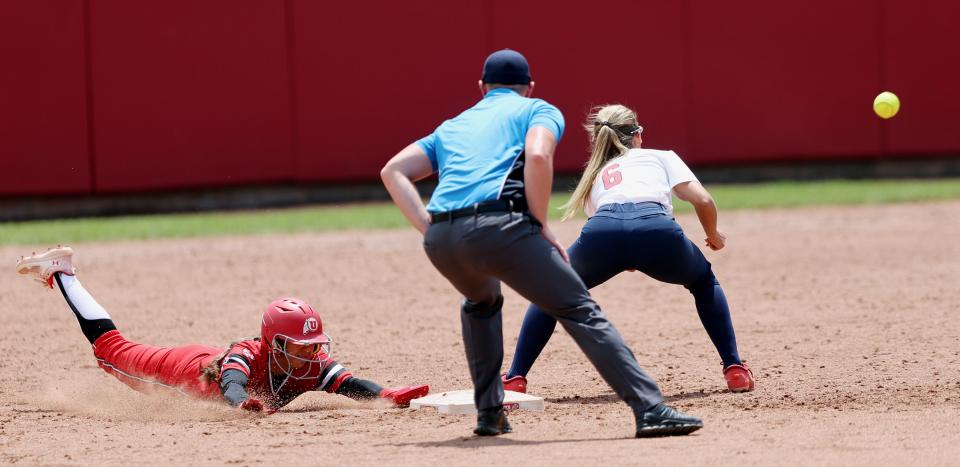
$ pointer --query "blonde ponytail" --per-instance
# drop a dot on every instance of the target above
(611, 130)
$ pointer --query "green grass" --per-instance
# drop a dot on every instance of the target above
(794, 194)
(386, 216)
(305, 219)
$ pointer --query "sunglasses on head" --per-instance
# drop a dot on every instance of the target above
(628, 129)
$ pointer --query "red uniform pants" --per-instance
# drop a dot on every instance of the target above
(146, 368)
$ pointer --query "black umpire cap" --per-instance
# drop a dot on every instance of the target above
(506, 67)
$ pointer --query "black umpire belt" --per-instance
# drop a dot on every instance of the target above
(494, 205)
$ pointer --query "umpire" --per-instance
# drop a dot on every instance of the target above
(487, 222)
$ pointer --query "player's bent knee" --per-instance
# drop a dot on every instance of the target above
(705, 281)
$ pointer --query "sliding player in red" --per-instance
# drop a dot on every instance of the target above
(291, 356)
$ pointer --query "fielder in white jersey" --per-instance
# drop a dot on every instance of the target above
(641, 175)
(627, 191)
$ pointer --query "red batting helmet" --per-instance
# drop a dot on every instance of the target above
(294, 321)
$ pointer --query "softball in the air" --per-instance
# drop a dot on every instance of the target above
(886, 104)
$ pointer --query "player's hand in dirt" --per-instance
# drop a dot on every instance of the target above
(716, 241)
(401, 397)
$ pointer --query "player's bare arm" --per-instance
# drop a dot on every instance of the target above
(695, 194)
(399, 175)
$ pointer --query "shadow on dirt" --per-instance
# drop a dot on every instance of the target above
(613, 399)
(474, 442)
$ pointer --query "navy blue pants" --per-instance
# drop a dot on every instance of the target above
(640, 236)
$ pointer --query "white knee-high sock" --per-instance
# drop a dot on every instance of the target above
(81, 300)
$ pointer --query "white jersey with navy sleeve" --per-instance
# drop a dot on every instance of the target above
(639, 175)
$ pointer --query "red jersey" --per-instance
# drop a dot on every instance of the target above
(252, 357)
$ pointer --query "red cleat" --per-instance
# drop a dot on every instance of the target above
(516, 384)
(739, 377)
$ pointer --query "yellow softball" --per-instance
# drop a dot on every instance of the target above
(886, 104)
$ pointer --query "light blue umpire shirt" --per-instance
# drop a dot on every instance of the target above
(479, 153)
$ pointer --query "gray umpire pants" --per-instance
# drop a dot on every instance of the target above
(476, 252)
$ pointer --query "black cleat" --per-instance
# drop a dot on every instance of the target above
(492, 422)
(662, 420)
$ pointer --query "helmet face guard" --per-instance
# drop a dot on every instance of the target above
(301, 364)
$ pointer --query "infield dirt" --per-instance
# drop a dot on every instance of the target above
(848, 316)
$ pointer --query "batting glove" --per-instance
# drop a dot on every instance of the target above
(401, 397)
(253, 405)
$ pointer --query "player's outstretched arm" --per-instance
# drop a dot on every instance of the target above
(361, 389)
(408, 166)
(695, 194)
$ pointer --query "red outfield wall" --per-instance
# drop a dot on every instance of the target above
(111, 96)
(43, 98)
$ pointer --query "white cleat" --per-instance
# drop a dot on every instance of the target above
(42, 266)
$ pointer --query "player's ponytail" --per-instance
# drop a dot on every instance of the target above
(605, 125)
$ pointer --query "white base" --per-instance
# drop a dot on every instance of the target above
(460, 402)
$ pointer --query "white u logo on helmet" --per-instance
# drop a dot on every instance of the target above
(309, 325)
